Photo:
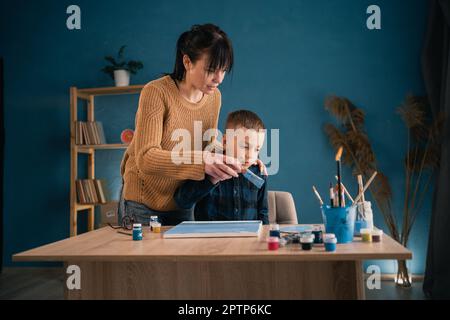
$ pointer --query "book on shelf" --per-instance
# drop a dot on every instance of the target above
(80, 192)
(87, 189)
(101, 133)
(85, 133)
(100, 192)
(96, 134)
(89, 133)
(90, 191)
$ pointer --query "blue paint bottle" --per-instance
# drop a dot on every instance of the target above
(137, 231)
(330, 243)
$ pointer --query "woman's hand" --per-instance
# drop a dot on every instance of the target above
(262, 167)
(220, 167)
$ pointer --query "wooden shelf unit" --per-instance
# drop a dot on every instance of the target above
(88, 95)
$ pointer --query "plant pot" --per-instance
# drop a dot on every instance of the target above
(122, 78)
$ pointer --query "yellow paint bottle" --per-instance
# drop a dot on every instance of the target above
(366, 235)
(156, 227)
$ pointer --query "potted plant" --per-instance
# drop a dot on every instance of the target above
(120, 69)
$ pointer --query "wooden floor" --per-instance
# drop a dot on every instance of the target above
(47, 284)
(31, 284)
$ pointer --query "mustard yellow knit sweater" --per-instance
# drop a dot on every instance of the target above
(150, 176)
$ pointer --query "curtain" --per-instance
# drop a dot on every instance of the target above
(436, 73)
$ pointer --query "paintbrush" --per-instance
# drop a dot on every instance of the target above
(346, 191)
(317, 195)
(331, 195)
(338, 163)
(126, 233)
(360, 190)
(365, 187)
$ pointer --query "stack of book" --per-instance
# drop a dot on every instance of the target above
(90, 191)
(89, 133)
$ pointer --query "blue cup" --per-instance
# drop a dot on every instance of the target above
(340, 221)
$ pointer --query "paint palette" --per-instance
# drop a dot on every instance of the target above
(296, 229)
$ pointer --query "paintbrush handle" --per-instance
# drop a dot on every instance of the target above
(346, 191)
(338, 163)
(360, 186)
(318, 195)
(366, 186)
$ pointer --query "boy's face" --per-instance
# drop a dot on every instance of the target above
(243, 144)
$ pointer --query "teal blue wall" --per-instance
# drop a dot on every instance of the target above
(289, 56)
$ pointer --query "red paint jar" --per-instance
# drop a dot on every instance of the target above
(273, 243)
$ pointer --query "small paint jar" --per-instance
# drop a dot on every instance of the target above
(317, 232)
(296, 238)
(153, 219)
(377, 234)
(137, 231)
(307, 240)
(328, 236)
(366, 235)
(283, 242)
(330, 244)
(273, 243)
(156, 227)
(274, 231)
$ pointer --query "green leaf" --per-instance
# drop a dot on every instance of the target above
(121, 50)
(134, 66)
(111, 60)
(109, 70)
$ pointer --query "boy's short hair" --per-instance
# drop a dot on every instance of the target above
(246, 119)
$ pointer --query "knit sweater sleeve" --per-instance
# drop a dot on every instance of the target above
(150, 157)
(215, 145)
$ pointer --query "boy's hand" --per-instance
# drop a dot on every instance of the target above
(262, 167)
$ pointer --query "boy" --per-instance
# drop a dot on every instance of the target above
(235, 198)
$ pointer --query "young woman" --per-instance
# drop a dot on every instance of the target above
(190, 93)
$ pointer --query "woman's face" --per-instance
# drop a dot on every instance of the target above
(198, 75)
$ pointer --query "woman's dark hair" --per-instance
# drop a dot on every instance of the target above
(205, 38)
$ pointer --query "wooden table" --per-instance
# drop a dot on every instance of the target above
(115, 267)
